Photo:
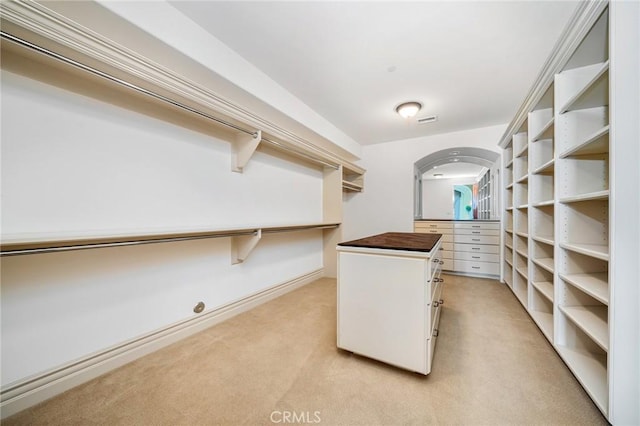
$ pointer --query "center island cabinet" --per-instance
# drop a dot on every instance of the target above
(389, 298)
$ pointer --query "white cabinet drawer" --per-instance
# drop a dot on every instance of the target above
(446, 238)
(434, 225)
(475, 248)
(476, 257)
(446, 246)
(446, 254)
(476, 239)
(477, 225)
(477, 267)
(431, 343)
(447, 264)
(435, 306)
(477, 232)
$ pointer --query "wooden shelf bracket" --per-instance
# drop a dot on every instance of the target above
(243, 245)
(243, 148)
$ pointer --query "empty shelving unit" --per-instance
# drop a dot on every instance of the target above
(570, 227)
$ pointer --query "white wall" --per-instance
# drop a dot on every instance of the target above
(387, 201)
(163, 21)
(437, 196)
(71, 164)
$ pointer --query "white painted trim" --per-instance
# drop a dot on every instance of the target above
(24, 394)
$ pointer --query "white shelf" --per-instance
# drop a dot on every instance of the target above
(509, 209)
(544, 203)
(545, 322)
(523, 151)
(545, 288)
(591, 371)
(521, 295)
(510, 186)
(508, 246)
(351, 186)
(593, 320)
(523, 179)
(545, 169)
(524, 271)
(595, 143)
(521, 253)
(546, 132)
(509, 164)
(597, 195)
(523, 206)
(599, 251)
(546, 239)
(594, 93)
(523, 234)
(545, 263)
(595, 284)
(510, 231)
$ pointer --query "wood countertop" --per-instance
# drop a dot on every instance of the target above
(410, 241)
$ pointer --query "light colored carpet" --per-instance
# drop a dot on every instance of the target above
(492, 366)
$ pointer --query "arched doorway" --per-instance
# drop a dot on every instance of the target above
(481, 158)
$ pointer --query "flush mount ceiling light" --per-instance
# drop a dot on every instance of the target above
(408, 109)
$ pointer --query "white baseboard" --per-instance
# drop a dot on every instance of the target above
(19, 396)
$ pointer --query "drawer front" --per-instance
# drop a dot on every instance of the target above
(476, 257)
(477, 225)
(477, 267)
(434, 231)
(447, 246)
(477, 232)
(431, 342)
(433, 225)
(446, 238)
(446, 254)
(475, 248)
(435, 306)
(447, 264)
(476, 239)
(435, 271)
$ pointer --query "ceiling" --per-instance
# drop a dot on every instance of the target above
(454, 170)
(469, 63)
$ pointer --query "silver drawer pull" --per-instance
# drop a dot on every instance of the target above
(475, 257)
(435, 332)
(433, 226)
(475, 239)
(475, 226)
(475, 248)
(475, 232)
(475, 267)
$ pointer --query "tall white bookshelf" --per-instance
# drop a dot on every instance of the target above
(565, 258)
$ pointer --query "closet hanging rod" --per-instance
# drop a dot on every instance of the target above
(151, 240)
(43, 51)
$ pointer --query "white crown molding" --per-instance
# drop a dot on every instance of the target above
(38, 19)
(585, 16)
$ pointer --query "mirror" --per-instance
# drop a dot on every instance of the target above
(463, 202)
(449, 174)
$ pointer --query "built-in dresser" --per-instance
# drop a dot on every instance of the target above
(468, 247)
